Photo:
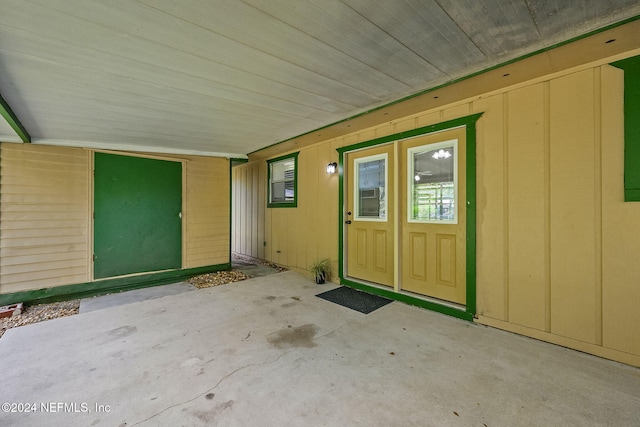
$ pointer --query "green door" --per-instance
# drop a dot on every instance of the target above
(138, 218)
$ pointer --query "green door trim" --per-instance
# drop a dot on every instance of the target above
(469, 312)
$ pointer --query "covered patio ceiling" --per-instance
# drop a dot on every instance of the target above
(229, 77)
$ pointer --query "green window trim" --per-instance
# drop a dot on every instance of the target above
(293, 202)
(631, 68)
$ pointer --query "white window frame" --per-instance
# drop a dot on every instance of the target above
(356, 187)
(411, 179)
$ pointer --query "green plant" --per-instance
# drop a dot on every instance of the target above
(321, 270)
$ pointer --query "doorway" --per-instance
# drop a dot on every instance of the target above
(137, 215)
(409, 216)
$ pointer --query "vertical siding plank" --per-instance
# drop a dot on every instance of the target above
(254, 211)
(597, 207)
(490, 207)
(620, 227)
(456, 111)
(427, 119)
(526, 207)
(572, 206)
(246, 206)
(262, 203)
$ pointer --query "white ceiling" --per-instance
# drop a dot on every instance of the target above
(228, 77)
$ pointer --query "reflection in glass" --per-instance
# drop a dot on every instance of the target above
(432, 191)
(372, 189)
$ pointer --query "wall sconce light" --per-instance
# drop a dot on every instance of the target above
(332, 168)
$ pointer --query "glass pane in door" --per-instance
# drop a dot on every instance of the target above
(433, 183)
(371, 188)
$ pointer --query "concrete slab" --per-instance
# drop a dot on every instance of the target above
(267, 352)
(137, 295)
(253, 270)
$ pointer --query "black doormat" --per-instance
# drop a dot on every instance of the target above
(354, 299)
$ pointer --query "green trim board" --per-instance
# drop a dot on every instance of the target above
(452, 82)
(631, 68)
(107, 286)
(237, 161)
(12, 119)
(408, 299)
(470, 307)
(284, 204)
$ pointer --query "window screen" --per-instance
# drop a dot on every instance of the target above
(283, 181)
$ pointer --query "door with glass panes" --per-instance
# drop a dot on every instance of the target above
(428, 178)
(370, 215)
(433, 215)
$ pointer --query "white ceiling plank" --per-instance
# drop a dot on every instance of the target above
(164, 41)
(230, 76)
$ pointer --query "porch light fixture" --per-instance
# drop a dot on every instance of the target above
(332, 167)
(441, 154)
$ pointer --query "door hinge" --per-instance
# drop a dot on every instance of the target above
(94, 257)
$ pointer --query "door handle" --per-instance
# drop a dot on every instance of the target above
(348, 222)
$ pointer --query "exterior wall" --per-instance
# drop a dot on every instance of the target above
(556, 243)
(284, 235)
(207, 212)
(44, 216)
(46, 205)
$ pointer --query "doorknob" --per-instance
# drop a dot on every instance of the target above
(348, 222)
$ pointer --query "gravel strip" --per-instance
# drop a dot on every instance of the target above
(39, 313)
(217, 278)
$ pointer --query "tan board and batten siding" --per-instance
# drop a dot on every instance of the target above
(45, 211)
(557, 246)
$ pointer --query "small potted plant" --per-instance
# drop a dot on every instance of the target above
(321, 270)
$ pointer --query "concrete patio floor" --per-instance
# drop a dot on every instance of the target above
(267, 352)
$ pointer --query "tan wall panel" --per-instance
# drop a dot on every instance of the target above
(620, 228)
(456, 111)
(44, 217)
(403, 125)
(327, 210)
(429, 118)
(526, 201)
(207, 215)
(572, 160)
(492, 249)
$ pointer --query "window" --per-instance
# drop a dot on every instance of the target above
(283, 181)
(631, 67)
(371, 188)
(433, 183)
